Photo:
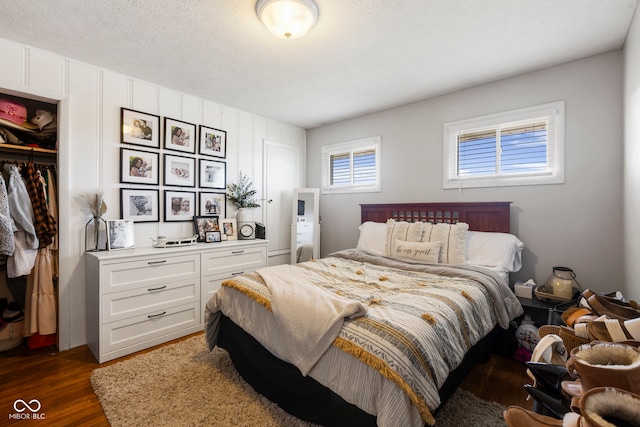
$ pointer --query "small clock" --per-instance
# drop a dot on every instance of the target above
(246, 231)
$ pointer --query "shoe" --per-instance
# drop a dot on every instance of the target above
(587, 293)
(549, 377)
(614, 330)
(11, 313)
(516, 416)
(605, 364)
(608, 406)
(554, 405)
(602, 306)
(575, 315)
(572, 388)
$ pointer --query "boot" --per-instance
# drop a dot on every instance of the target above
(552, 405)
(606, 365)
(609, 407)
(516, 416)
(548, 376)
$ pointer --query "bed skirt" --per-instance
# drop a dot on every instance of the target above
(304, 397)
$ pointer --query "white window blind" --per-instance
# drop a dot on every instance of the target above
(522, 147)
(351, 166)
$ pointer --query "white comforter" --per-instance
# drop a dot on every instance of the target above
(441, 310)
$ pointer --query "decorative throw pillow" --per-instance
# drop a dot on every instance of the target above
(418, 251)
(402, 230)
(453, 239)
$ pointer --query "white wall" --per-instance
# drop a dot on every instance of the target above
(577, 224)
(89, 150)
(632, 160)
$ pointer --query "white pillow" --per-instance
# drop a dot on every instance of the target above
(372, 237)
(418, 251)
(453, 238)
(494, 250)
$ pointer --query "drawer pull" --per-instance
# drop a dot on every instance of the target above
(157, 289)
(153, 316)
(237, 252)
(157, 262)
(237, 274)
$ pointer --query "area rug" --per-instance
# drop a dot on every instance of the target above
(183, 384)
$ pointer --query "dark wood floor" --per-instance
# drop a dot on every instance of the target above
(60, 381)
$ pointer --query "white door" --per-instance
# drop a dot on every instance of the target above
(282, 175)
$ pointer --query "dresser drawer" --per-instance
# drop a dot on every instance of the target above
(120, 305)
(150, 271)
(138, 329)
(234, 261)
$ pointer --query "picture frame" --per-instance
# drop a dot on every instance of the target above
(213, 236)
(140, 204)
(229, 228)
(179, 171)
(213, 203)
(139, 128)
(120, 234)
(213, 142)
(179, 136)
(202, 224)
(139, 167)
(213, 174)
(179, 206)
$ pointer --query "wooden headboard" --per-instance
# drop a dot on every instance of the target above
(481, 216)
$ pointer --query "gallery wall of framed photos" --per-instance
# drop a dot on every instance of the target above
(171, 170)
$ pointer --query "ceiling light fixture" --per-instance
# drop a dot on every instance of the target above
(288, 19)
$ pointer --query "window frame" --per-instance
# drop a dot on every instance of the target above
(554, 112)
(344, 148)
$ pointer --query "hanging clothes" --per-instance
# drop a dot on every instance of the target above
(7, 241)
(24, 232)
(52, 192)
(44, 223)
(43, 296)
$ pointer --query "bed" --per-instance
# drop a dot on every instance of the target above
(381, 334)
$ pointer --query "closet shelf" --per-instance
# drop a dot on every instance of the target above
(9, 148)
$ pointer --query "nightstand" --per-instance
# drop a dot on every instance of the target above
(543, 312)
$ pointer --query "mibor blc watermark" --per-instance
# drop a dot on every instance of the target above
(27, 410)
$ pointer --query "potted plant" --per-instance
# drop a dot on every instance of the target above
(242, 195)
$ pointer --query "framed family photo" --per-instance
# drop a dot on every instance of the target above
(179, 171)
(213, 142)
(204, 224)
(139, 167)
(139, 205)
(213, 174)
(213, 236)
(179, 136)
(120, 234)
(229, 228)
(213, 203)
(179, 205)
(139, 128)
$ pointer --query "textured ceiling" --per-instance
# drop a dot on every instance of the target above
(362, 55)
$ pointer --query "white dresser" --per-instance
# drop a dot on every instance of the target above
(138, 298)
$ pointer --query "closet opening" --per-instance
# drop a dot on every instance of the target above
(28, 222)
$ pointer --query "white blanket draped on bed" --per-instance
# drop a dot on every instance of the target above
(306, 313)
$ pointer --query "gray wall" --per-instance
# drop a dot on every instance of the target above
(577, 224)
(632, 160)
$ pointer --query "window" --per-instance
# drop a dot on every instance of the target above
(522, 147)
(351, 167)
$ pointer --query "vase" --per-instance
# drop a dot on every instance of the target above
(242, 215)
(95, 235)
